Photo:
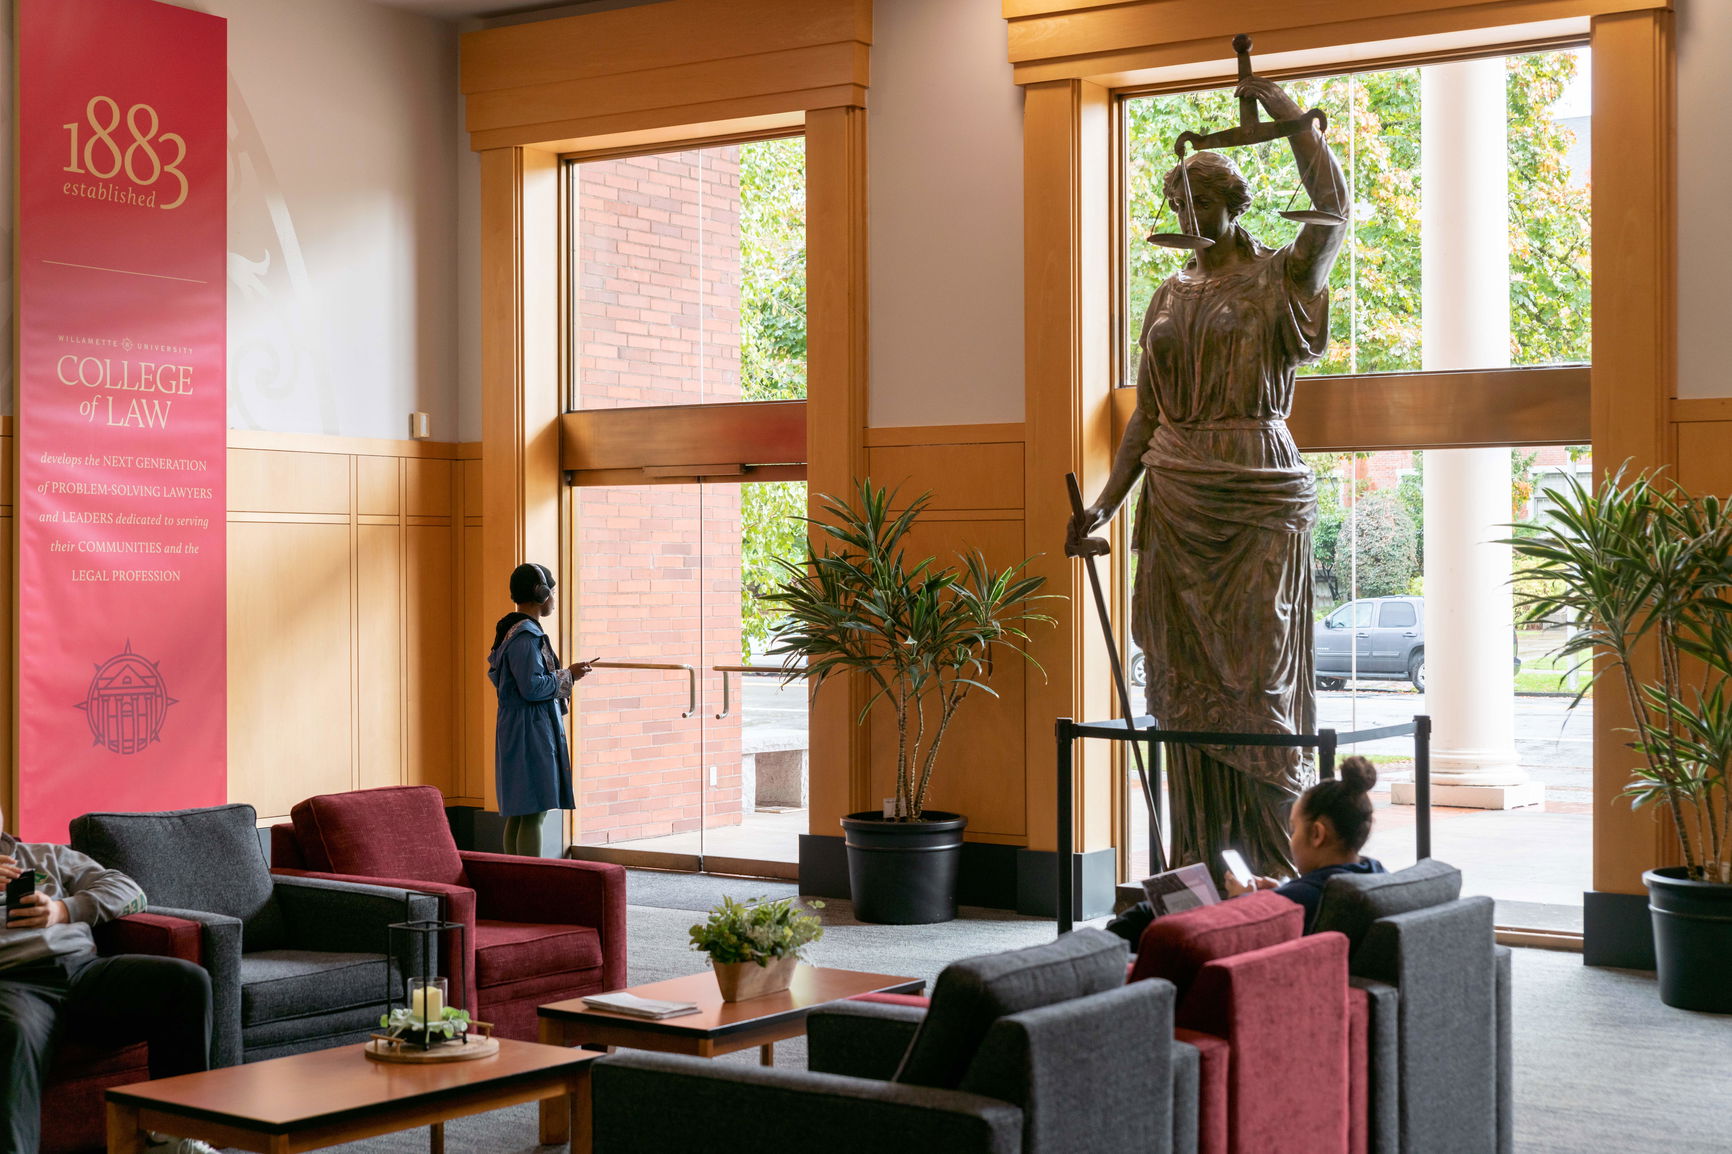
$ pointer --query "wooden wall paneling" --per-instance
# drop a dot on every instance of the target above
(290, 648)
(274, 481)
(1634, 347)
(957, 476)
(1067, 229)
(433, 669)
(477, 632)
(380, 681)
(429, 489)
(433, 674)
(836, 367)
(1704, 458)
(378, 486)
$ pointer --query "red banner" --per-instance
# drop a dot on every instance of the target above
(122, 144)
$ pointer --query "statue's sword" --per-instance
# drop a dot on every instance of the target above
(1157, 855)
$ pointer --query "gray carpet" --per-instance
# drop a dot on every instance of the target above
(667, 890)
(1601, 1066)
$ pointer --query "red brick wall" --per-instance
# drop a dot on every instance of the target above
(658, 565)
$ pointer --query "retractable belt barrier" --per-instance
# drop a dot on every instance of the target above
(1142, 729)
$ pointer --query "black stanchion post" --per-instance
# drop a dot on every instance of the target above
(1066, 799)
(1326, 753)
(1156, 763)
(1422, 786)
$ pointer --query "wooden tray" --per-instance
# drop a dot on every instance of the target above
(380, 1051)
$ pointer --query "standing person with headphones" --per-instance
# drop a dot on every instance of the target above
(532, 763)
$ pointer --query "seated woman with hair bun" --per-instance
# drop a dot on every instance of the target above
(1328, 826)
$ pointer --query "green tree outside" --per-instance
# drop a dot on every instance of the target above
(772, 357)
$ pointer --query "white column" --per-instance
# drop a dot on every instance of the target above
(1464, 220)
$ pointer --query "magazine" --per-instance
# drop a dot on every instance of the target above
(1186, 888)
(623, 1003)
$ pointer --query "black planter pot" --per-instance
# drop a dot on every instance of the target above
(903, 873)
(1692, 940)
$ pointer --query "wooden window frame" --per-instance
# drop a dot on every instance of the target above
(657, 77)
(1073, 56)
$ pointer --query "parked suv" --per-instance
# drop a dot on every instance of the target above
(1384, 635)
(1387, 633)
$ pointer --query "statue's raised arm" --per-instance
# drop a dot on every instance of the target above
(1325, 224)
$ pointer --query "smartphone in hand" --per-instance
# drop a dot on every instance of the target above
(1236, 865)
(18, 889)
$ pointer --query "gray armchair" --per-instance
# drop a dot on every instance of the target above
(1037, 1051)
(1439, 989)
(295, 963)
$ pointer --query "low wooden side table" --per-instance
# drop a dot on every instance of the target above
(717, 1028)
(321, 1098)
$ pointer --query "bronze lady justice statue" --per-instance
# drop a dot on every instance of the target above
(1222, 598)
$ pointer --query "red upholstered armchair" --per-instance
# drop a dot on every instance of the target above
(539, 930)
(1272, 1016)
(73, 1111)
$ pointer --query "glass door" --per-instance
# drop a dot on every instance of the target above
(690, 752)
(638, 722)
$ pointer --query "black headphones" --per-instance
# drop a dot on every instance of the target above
(544, 588)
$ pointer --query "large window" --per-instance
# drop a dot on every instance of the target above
(687, 273)
(1376, 320)
(1527, 844)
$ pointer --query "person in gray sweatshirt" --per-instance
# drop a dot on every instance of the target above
(52, 981)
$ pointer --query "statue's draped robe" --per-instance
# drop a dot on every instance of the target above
(1222, 597)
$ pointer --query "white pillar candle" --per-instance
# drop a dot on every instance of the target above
(427, 1003)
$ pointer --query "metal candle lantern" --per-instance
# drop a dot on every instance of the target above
(425, 994)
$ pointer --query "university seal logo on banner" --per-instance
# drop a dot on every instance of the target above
(127, 702)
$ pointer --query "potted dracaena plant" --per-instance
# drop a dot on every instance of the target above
(924, 636)
(1642, 570)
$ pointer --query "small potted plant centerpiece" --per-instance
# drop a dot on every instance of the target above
(754, 946)
(923, 636)
(1643, 571)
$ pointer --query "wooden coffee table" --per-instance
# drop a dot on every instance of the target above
(717, 1028)
(306, 1101)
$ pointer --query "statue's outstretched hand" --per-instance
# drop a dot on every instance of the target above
(1271, 96)
(1078, 543)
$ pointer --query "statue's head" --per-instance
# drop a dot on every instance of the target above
(1214, 177)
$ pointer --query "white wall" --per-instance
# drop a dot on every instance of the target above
(1704, 32)
(944, 204)
(342, 217)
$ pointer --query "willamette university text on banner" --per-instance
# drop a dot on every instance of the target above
(122, 410)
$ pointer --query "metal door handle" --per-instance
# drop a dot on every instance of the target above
(1410, 633)
(691, 676)
(725, 670)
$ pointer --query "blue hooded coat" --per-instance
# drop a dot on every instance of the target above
(531, 761)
